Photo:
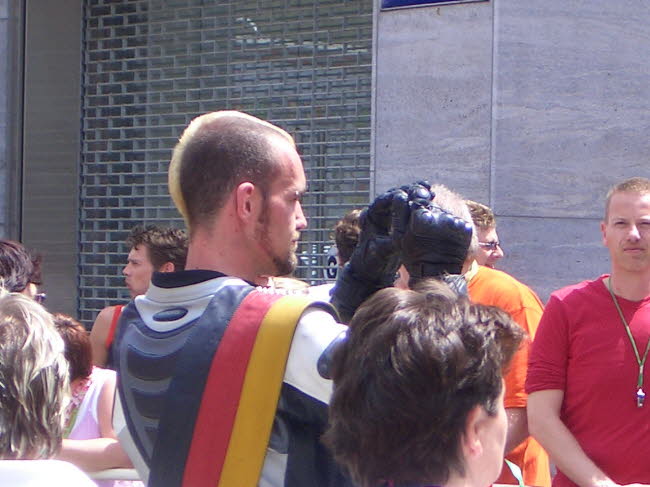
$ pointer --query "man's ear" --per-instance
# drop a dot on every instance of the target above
(472, 445)
(167, 267)
(247, 200)
(603, 230)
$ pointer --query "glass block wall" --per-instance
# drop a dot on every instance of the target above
(150, 66)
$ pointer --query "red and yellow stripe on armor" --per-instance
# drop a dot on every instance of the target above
(234, 422)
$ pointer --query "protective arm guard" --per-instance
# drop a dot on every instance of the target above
(351, 290)
(435, 244)
(373, 263)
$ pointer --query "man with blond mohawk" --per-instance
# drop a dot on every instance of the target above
(237, 181)
(222, 383)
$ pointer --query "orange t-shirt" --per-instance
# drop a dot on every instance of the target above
(496, 288)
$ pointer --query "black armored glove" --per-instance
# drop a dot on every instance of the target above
(434, 242)
(375, 259)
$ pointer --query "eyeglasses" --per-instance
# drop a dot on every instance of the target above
(40, 298)
(489, 245)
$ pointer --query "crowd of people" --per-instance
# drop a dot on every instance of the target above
(423, 365)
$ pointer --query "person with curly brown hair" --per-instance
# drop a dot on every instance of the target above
(418, 390)
(152, 249)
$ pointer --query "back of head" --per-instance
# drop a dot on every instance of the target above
(18, 267)
(346, 235)
(413, 358)
(78, 351)
(453, 203)
(632, 185)
(216, 152)
(33, 380)
(164, 244)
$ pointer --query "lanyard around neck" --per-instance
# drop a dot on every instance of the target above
(640, 395)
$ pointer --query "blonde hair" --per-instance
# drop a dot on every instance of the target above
(34, 386)
(633, 185)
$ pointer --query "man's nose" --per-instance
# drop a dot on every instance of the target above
(498, 252)
(634, 234)
(301, 219)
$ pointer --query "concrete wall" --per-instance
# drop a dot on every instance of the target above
(51, 147)
(9, 56)
(534, 108)
(4, 52)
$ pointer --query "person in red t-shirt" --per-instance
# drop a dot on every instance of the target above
(585, 379)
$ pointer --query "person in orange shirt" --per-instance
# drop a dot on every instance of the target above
(491, 287)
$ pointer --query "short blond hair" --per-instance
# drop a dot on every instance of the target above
(632, 185)
(34, 386)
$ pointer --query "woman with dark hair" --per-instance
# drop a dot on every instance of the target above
(20, 270)
(418, 395)
(89, 440)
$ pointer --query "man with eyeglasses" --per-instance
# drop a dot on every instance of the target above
(492, 287)
(489, 248)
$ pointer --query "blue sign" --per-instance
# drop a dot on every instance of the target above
(414, 3)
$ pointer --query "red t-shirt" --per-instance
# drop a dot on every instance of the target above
(581, 348)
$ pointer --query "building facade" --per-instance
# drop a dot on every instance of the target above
(534, 108)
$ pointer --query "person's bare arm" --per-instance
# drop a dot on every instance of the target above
(548, 429)
(105, 408)
(98, 453)
(98, 336)
(93, 455)
(517, 427)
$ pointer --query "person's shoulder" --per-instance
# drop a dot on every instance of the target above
(498, 278)
(101, 329)
(321, 292)
(31, 473)
(102, 374)
(105, 316)
(69, 475)
(579, 291)
(320, 321)
(504, 286)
